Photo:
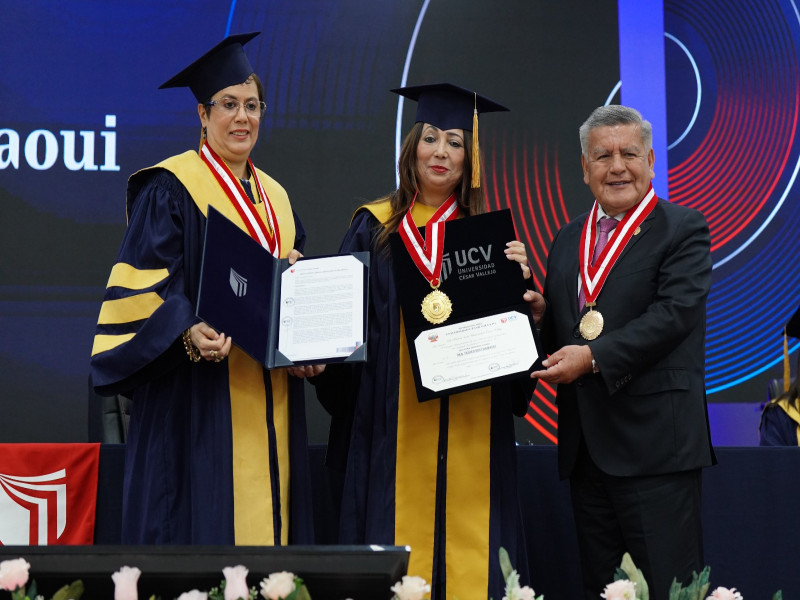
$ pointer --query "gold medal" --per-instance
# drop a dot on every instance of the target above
(436, 307)
(591, 323)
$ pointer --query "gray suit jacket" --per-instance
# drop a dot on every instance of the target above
(645, 412)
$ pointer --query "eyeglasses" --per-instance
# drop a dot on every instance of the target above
(231, 107)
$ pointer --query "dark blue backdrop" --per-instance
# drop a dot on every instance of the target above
(80, 111)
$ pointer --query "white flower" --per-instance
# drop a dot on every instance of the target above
(277, 585)
(514, 591)
(620, 590)
(722, 593)
(13, 574)
(411, 588)
(526, 593)
(193, 595)
(236, 583)
(520, 593)
(125, 583)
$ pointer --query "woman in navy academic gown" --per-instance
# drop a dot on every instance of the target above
(440, 475)
(780, 418)
(216, 450)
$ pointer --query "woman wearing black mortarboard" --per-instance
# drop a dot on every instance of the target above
(780, 419)
(216, 449)
(439, 475)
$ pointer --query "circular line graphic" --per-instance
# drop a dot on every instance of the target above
(699, 89)
(737, 159)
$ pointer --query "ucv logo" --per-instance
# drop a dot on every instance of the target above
(26, 506)
(238, 284)
(465, 258)
(446, 267)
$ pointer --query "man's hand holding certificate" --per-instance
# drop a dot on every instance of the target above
(474, 351)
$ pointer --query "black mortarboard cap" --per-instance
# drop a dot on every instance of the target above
(793, 326)
(448, 106)
(225, 64)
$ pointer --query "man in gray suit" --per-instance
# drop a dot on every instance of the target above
(623, 316)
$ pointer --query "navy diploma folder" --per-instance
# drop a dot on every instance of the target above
(240, 295)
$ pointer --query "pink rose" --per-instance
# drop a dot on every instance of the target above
(193, 595)
(277, 585)
(411, 588)
(722, 593)
(125, 581)
(236, 583)
(13, 574)
(621, 589)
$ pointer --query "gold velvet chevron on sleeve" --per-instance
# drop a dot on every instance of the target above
(127, 309)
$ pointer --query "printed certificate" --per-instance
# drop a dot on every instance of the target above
(475, 351)
(321, 308)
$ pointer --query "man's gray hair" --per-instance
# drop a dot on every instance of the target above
(615, 114)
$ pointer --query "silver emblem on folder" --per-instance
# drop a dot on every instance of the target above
(238, 284)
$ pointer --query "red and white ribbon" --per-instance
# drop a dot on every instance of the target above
(267, 235)
(594, 276)
(427, 253)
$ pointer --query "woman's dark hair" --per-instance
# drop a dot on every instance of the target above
(470, 200)
(792, 394)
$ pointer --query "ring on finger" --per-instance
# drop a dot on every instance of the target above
(213, 354)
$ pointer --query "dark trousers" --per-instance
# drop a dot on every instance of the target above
(656, 519)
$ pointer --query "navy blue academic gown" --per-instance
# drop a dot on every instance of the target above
(458, 514)
(777, 427)
(179, 476)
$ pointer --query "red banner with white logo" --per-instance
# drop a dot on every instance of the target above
(48, 494)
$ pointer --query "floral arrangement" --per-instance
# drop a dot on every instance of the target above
(629, 584)
(14, 576)
(416, 588)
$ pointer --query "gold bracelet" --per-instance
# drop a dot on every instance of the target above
(191, 349)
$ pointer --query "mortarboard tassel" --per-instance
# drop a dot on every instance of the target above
(476, 151)
(787, 373)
